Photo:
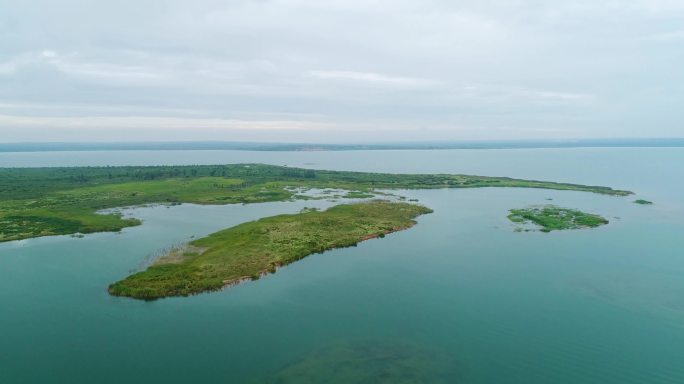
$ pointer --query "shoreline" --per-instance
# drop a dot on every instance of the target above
(61, 201)
(254, 249)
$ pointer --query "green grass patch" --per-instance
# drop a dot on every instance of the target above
(42, 222)
(642, 202)
(249, 250)
(552, 218)
(58, 201)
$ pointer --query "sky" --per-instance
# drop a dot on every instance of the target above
(340, 71)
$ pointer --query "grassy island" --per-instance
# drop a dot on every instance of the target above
(252, 249)
(553, 218)
(642, 202)
(61, 201)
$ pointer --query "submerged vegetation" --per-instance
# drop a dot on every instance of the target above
(642, 202)
(357, 195)
(58, 201)
(370, 361)
(252, 249)
(553, 218)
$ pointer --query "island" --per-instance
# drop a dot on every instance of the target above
(49, 201)
(552, 218)
(250, 250)
(643, 202)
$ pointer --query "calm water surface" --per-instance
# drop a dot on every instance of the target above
(460, 298)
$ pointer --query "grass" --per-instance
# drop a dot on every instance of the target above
(59, 222)
(553, 218)
(58, 201)
(252, 249)
(642, 202)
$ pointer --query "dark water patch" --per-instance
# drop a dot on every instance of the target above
(369, 361)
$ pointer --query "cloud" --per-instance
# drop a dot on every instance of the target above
(666, 37)
(554, 96)
(403, 67)
(372, 78)
(75, 64)
(157, 123)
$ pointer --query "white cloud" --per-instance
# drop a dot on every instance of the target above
(530, 66)
(157, 123)
(666, 37)
(507, 93)
(9, 67)
(555, 96)
(372, 78)
(49, 53)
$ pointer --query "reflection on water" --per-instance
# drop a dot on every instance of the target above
(369, 361)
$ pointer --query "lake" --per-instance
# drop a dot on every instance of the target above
(459, 298)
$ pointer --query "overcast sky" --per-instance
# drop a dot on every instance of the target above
(340, 71)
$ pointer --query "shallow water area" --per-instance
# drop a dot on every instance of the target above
(461, 297)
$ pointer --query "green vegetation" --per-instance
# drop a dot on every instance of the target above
(58, 222)
(52, 201)
(252, 249)
(642, 202)
(551, 218)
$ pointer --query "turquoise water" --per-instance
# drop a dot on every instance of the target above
(459, 298)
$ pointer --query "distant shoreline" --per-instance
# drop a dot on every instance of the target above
(307, 147)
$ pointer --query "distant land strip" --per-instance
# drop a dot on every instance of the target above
(37, 202)
(298, 147)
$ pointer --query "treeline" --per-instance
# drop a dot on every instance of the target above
(23, 183)
(19, 183)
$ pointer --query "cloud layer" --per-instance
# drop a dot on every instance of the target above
(304, 70)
